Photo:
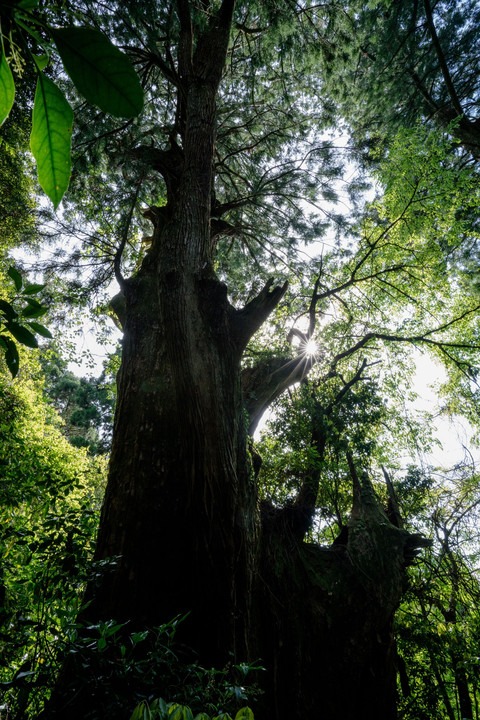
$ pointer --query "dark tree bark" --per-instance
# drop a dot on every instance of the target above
(180, 512)
(179, 497)
(327, 613)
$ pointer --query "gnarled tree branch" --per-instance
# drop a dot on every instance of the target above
(303, 509)
(169, 163)
(267, 380)
(251, 317)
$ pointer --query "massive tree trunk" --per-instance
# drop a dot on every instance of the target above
(180, 513)
(180, 507)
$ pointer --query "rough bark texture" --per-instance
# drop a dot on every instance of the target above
(180, 511)
(180, 507)
(327, 614)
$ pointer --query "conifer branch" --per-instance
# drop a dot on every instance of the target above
(124, 237)
(441, 58)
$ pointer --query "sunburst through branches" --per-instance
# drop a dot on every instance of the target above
(310, 348)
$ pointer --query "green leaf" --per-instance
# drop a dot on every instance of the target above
(112, 629)
(138, 712)
(25, 674)
(244, 713)
(21, 334)
(16, 277)
(162, 707)
(11, 355)
(100, 72)
(8, 310)
(51, 138)
(40, 329)
(13, 360)
(202, 716)
(179, 712)
(41, 61)
(27, 4)
(32, 311)
(138, 637)
(34, 308)
(7, 88)
(32, 289)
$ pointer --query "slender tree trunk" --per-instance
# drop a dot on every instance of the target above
(436, 671)
(463, 690)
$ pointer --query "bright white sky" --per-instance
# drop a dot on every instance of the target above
(454, 434)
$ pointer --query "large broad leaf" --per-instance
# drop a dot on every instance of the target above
(27, 4)
(51, 138)
(40, 329)
(7, 310)
(34, 309)
(21, 334)
(101, 73)
(16, 277)
(41, 61)
(7, 88)
(11, 354)
(179, 712)
(244, 713)
(138, 712)
(34, 312)
(33, 289)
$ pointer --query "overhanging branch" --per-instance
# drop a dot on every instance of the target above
(441, 58)
(466, 131)
(312, 317)
(266, 381)
(413, 339)
(250, 318)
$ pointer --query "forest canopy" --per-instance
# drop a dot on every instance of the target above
(276, 205)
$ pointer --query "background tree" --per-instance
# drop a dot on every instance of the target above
(436, 623)
(85, 404)
(50, 498)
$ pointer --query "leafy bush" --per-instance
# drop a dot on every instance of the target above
(49, 503)
(117, 664)
(160, 710)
